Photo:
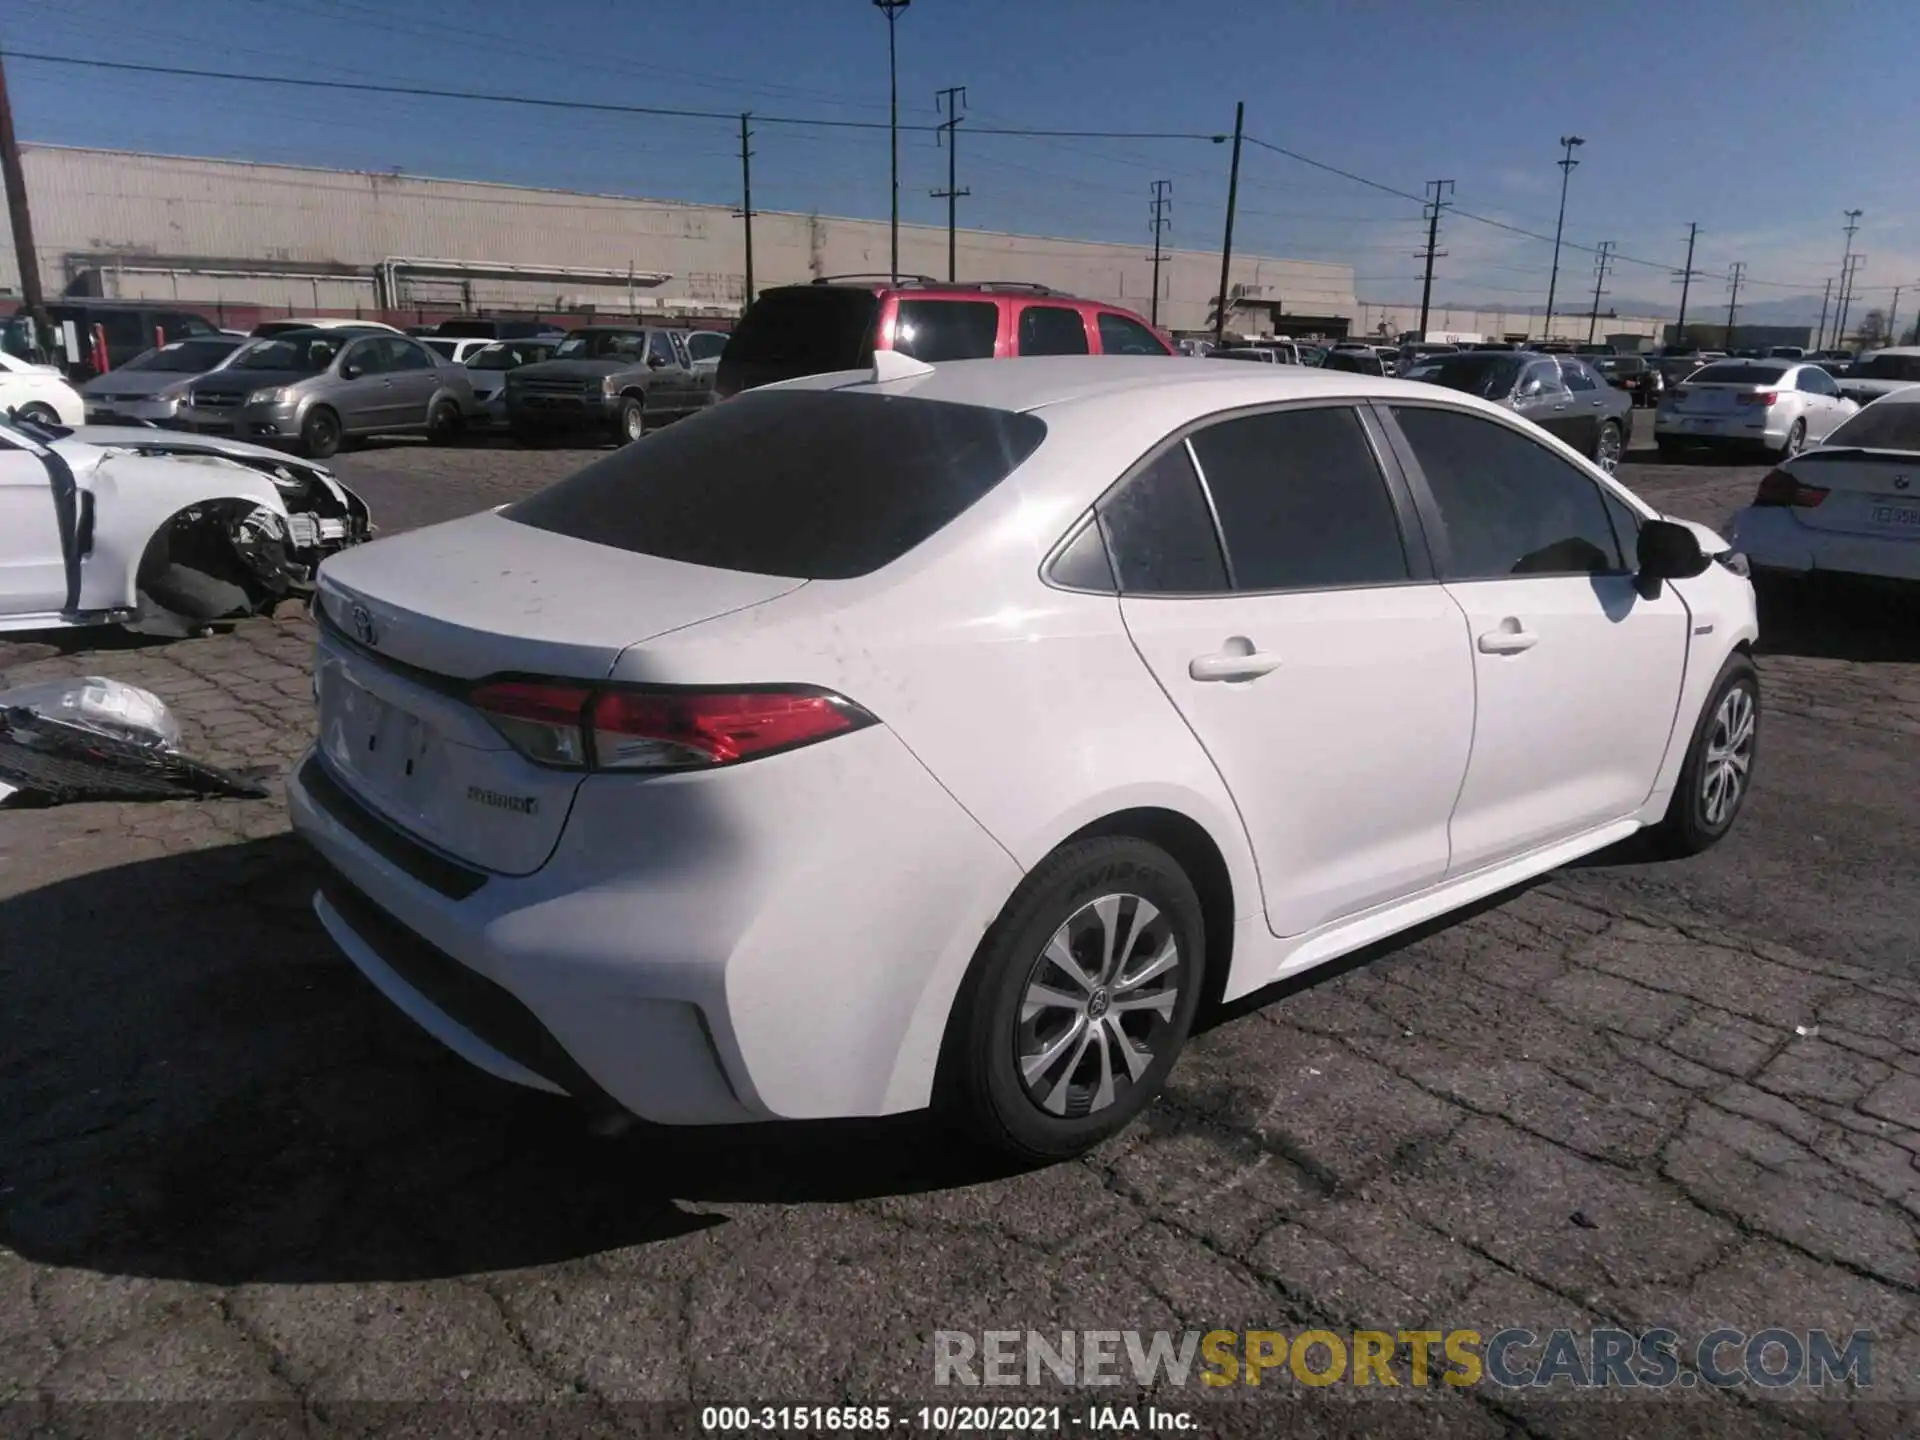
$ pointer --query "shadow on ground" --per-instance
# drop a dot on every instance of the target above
(197, 1086)
(1834, 618)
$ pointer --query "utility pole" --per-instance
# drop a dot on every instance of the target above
(1226, 245)
(1846, 273)
(31, 300)
(1439, 189)
(950, 102)
(1820, 335)
(1600, 264)
(1854, 262)
(1733, 298)
(892, 8)
(1566, 164)
(746, 208)
(1686, 284)
(1162, 203)
(1893, 315)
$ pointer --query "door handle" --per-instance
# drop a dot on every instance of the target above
(1233, 665)
(1509, 639)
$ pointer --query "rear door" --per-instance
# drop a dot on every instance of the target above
(413, 382)
(1313, 655)
(1577, 673)
(1590, 395)
(1542, 397)
(1051, 330)
(1825, 406)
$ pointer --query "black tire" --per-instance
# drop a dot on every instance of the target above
(320, 434)
(629, 421)
(1610, 432)
(1689, 825)
(196, 595)
(39, 414)
(1796, 441)
(982, 1084)
(443, 423)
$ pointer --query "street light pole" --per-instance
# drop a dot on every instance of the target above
(1566, 164)
(891, 8)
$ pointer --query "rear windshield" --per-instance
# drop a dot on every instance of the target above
(807, 484)
(807, 330)
(468, 329)
(1886, 367)
(1738, 372)
(1883, 425)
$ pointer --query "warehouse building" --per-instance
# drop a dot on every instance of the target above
(246, 239)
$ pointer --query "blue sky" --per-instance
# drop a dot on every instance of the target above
(1761, 119)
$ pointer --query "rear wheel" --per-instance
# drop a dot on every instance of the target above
(1796, 440)
(1078, 1002)
(39, 414)
(1718, 769)
(320, 433)
(443, 423)
(1606, 449)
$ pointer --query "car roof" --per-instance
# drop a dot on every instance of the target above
(1037, 381)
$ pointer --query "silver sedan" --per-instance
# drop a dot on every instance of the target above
(1778, 406)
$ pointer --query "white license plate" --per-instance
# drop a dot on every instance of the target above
(1896, 515)
(387, 747)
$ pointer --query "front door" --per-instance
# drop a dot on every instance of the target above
(1590, 394)
(1577, 672)
(33, 569)
(667, 383)
(362, 388)
(1324, 672)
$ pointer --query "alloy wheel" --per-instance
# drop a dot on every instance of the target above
(636, 422)
(1609, 448)
(1098, 1005)
(1729, 758)
(1796, 440)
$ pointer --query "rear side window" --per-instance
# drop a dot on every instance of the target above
(1052, 330)
(935, 330)
(806, 330)
(1122, 336)
(1301, 501)
(810, 484)
(1160, 533)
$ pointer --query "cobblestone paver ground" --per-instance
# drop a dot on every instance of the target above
(1636, 1095)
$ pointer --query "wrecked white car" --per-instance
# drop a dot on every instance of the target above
(160, 532)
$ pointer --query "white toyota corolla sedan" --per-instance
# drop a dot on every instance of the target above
(949, 735)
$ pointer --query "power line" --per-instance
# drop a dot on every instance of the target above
(732, 117)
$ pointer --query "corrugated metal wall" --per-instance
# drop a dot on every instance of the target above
(110, 202)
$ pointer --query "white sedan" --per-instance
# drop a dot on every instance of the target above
(158, 531)
(948, 735)
(38, 393)
(1851, 507)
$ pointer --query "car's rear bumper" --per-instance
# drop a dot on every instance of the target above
(1772, 539)
(745, 944)
(1769, 431)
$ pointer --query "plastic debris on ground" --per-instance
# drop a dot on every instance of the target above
(64, 741)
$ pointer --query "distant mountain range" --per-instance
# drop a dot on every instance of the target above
(1708, 302)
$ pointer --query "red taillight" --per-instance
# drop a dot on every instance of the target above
(1764, 397)
(577, 727)
(544, 719)
(676, 729)
(1780, 490)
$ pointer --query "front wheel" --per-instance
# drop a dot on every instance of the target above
(630, 422)
(1078, 1002)
(320, 433)
(1606, 449)
(1718, 769)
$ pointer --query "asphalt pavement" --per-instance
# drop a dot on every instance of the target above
(234, 1179)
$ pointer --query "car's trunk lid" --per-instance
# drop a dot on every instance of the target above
(408, 626)
(1869, 492)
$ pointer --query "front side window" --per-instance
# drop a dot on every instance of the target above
(659, 348)
(1052, 330)
(1160, 534)
(936, 330)
(405, 355)
(1301, 501)
(601, 345)
(1120, 335)
(1508, 506)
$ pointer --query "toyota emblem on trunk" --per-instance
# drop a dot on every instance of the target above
(363, 627)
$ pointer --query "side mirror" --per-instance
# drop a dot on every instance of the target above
(656, 362)
(1670, 552)
(350, 371)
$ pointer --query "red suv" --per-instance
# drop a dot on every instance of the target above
(837, 322)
